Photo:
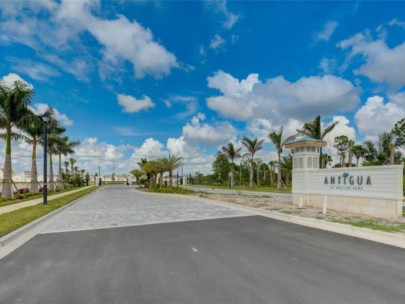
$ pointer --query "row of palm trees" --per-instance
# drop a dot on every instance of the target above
(19, 122)
(253, 145)
(154, 169)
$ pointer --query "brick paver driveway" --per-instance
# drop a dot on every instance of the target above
(119, 206)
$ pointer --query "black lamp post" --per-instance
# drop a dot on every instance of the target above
(45, 119)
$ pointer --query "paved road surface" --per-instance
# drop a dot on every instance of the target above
(229, 258)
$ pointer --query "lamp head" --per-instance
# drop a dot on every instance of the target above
(45, 119)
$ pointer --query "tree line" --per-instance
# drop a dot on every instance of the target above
(19, 122)
(254, 171)
(153, 170)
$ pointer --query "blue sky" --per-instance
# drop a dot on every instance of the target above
(141, 79)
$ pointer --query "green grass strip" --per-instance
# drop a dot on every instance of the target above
(15, 219)
(372, 224)
(31, 197)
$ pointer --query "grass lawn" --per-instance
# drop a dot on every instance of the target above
(31, 197)
(174, 190)
(375, 225)
(241, 188)
(15, 219)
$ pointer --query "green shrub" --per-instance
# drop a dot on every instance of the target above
(174, 190)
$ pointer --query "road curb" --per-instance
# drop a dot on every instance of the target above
(22, 230)
(393, 239)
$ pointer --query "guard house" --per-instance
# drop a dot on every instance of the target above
(374, 191)
(305, 152)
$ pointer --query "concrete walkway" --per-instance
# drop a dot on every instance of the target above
(16, 206)
(284, 196)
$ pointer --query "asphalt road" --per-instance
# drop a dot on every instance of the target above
(247, 259)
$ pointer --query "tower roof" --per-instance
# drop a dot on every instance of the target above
(305, 141)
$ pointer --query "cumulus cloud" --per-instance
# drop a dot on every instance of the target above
(63, 26)
(376, 116)
(9, 80)
(382, 64)
(41, 108)
(200, 132)
(278, 99)
(132, 105)
(327, 31)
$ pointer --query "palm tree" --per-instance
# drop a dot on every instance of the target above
(276, 138)
(171, 163)
(64, 147)
(72, 161)
(66, 163)
(152, 169)
(137, 173)
(232, 153)
(350, 145)
(358, 151)
(54, 141)
(14, 112)
(33, 135)
(326, 159)
(272, 165)
(252, 146)
(314, 130)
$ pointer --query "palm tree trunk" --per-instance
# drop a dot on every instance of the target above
(357, 161)
(251, 175)
(279, 172)
(34, 172)
(7, 192)
(51, 184)
(170, 179)
(232, 176)
(60, 178)
(258, 175)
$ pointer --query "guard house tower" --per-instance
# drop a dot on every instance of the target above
(305, 152)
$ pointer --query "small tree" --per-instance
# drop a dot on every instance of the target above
(232, 153)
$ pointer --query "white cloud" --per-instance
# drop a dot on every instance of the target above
(132, 105)
(150, 149)
(278, 99)
(199, 132)
(63, 27)
(190, 103)
(342, 128)
(41, 108)
(382, 63)
(327, 31)
(397, 22)
(230, 18)
(375, 116)
(9, 80)
(217, 42)
(35, 70)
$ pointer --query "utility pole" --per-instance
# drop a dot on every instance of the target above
(113, 175)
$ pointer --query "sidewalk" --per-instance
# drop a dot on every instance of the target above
(16, 206)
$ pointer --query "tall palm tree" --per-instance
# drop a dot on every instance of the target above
(66, 163)
(314, 130)
(232, 153)
(171, 163)
(14, 113)
(276, 138)
(64, 147)
(54, 140)
(252, 146)
(72, 161)
(33, 135)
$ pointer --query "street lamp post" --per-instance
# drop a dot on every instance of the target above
(45, 119)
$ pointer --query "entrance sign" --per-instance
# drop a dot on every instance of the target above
(374, 191)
